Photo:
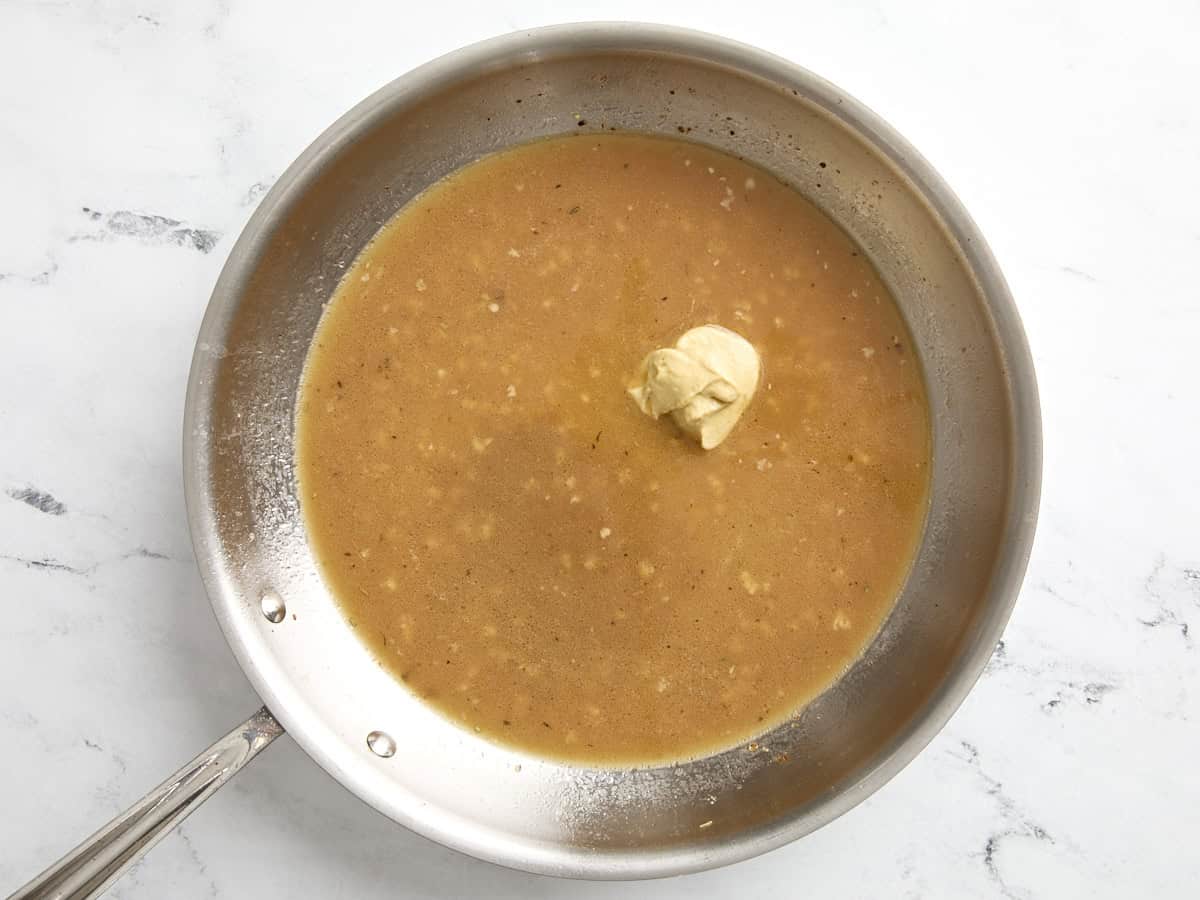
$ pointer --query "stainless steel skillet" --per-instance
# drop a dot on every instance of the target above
(367, 730)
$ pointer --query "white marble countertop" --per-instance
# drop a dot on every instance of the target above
(137, 135)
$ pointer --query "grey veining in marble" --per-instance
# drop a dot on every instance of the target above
(136, 138)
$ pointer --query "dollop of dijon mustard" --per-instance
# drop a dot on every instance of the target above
(705, 382)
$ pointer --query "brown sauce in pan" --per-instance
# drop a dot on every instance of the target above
(524, 548)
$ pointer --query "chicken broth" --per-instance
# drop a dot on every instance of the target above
(528, 552)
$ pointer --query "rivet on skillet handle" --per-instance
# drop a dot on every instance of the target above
(273, 607)
(381, 744)
(92, 866)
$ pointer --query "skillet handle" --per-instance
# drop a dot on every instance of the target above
(92, 866)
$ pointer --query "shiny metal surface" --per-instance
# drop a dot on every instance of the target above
(499, 804)
(381, 744)
(92, 866)
(273, 607)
